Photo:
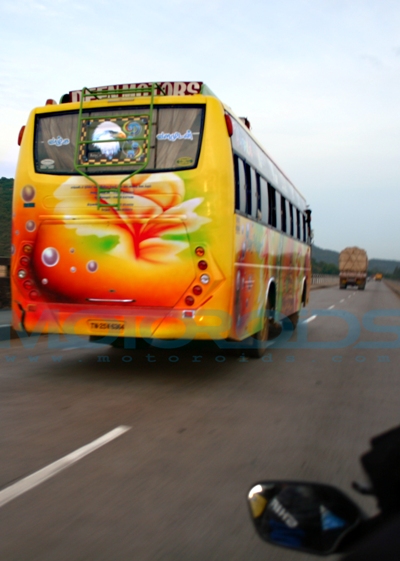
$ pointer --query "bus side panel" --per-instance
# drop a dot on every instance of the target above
(294, 273)
(257, 260)
(264, 256)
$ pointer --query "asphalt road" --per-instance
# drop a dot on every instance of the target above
(174, 486)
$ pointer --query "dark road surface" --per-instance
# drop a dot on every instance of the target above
(174, 486)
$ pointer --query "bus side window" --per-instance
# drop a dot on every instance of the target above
(287, 217)
(264, 201)
(254, 194)
(271, 206)
(249, 180)
(298, 224)
(240, 185)
(258, 197)
(283, 214)
(291, 219)
(294, 222)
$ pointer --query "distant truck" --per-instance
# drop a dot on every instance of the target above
(353, 266)
(378, 276)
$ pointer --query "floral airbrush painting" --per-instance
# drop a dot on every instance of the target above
(123, 252)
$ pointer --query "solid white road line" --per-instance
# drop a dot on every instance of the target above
(31, 481)
(342, 300)
(312, 318)
(330, 307)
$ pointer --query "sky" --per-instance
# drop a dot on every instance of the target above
(319, 81)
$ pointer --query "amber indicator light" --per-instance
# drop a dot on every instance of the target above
(200, 251)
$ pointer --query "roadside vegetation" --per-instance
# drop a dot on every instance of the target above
(6, 189)
(319, 267)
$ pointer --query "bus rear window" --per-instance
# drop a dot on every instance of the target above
(117, 140)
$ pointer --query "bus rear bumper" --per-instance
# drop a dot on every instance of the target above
(116, 322)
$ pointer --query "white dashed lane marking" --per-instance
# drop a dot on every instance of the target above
(31, 481)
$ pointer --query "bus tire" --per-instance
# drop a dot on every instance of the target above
(261, 337)
(294, 319)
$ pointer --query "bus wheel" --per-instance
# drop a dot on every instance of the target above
(294, 319)
(261, 337)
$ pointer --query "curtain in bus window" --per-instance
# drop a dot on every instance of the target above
(253, 194)
(248, 188)
(258, 197)
(272, 217)
(264, 200)
(294, 221)
(283, 214)
(287, 217)
(291, 219)
(119, 137)
(178, 137)
(298, 224)
(55, 143)
(240, 180)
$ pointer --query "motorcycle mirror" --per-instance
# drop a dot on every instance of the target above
(309, 517)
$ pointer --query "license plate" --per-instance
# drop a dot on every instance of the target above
(102, 327)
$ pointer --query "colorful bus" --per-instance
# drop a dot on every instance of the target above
(151, 211)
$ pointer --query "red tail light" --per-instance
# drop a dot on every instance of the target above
(20, 135)
(229, 124)
(202, 265)
(197, 290)
(189, 300)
